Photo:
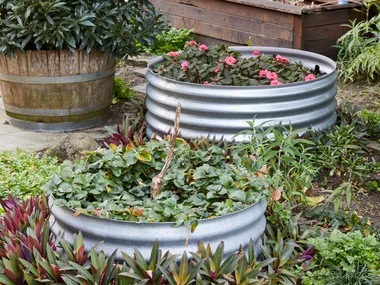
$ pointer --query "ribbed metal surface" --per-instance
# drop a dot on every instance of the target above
(225, 110)
(235, 229)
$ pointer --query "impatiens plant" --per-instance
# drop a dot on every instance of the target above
(218, 65)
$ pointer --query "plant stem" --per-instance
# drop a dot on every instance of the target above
(155, 189)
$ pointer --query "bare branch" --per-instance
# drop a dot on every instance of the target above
(156, 186)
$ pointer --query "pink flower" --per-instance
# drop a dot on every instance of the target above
(184, 65)
(263, 73)
(275, 82)
(281, 59)
(173, 54)
(256, 52)
(217, 70)
(192, 43)
(203, 47)
(205, 83)
(310, 77)
(272, 75)
(230, 60)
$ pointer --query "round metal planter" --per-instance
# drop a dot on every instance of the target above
(223, 111)
(234, 229)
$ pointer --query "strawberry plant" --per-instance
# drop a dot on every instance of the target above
(115, 183)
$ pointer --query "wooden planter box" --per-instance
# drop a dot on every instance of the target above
(268, 23)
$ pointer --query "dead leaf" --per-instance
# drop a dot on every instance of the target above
(312, 201)
(276, 195)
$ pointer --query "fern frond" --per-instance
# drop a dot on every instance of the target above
(366, 64)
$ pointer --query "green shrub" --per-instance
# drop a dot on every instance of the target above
(170, 40)
(121, 91)
(78, 24)
(359, 48)
(347, 250)
(23, 173)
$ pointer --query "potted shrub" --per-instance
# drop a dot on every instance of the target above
(57, 59)
(222, 88)
(121, 198)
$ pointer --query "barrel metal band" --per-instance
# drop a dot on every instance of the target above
(57, 79)
(55, 113)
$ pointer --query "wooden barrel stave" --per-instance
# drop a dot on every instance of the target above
(79, 104)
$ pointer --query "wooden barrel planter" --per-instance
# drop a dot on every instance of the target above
(57, 90)
(266, 23)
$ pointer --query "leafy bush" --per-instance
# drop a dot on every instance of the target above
(199, 184)
(359, 48)
(217, 65)
(78, 24)
(121, 91)
(23, 173)
(170, 40)
(347, 250)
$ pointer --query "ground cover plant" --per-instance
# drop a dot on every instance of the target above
(23, 173)
(217, 65)
(199, 183)
(86, 24)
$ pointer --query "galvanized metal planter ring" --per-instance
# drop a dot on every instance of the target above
(223, 111)
(234, 229)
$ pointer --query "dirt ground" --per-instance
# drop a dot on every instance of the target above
(363, 94)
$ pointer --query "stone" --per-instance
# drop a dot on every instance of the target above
(73, 146)
(140, 88)
(141, 72)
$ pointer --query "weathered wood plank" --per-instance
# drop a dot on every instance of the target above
(324, 32)
(226, 20)
(22, 63)
(53, 63)
(298, 32)
(69, 62)
(277, 6)
(250, 12)
(13, 67)
(84, 62)
(37, 63)
(226, 34)
(3, 64)
(321, 46)
(323, 18)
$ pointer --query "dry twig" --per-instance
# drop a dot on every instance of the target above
(155, 189)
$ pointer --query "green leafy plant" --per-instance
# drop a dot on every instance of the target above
(23, 173)
(80, 24)
(359, 48)
(115, 184)
(218, 65)
(121, 91)
(172, 39)
(130, 133)
(347, 250)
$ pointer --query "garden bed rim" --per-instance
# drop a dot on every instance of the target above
(87, 216)
(159, 59)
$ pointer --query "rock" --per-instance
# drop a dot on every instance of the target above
(73, 146)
